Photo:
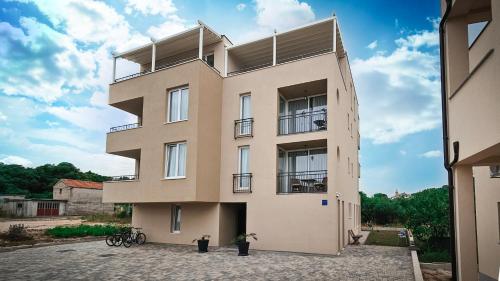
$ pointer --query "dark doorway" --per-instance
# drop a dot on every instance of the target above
(241, 219)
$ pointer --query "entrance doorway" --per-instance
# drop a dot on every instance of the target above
(233, 221)
(241, 219)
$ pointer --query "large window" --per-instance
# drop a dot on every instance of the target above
(245, 115)
(175, 164)
(175, 223)
(178, 104)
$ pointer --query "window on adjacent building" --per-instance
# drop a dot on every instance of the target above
(178, 104)
(175, 164)
(175, 223)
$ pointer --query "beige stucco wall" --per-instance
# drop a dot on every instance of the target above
(488, 221)
(197, 219)
(202, 124)
(295, 222)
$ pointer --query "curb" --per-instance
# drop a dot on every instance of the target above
(39, 245)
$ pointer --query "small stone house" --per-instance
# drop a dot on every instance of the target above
(82, 197)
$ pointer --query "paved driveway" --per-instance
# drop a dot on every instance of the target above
(96, 261)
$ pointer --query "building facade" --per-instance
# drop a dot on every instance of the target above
(257, 137)
(81, 197)
(471, 93)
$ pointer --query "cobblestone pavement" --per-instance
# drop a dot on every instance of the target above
(96, 261)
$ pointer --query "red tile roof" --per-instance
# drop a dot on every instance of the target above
(82, 184)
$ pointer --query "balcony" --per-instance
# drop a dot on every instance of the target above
(303, 182)
(124, 178)
(302, 170)
(242, 183)
(305, 121)
(124, 127)
(303, 108)
(243, 128)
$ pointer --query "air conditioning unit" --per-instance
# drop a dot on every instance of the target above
(495, 171)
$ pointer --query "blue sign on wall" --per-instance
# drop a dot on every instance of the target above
(324, 202)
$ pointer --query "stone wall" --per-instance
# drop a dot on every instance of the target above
(87, 208)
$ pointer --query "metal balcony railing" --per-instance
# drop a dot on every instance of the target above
(243, 128)
(124, 127)
(306, 121)
(302, 182)
(124, 178)
(242, 183)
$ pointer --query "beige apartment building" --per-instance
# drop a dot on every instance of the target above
(470, 40)
(257, 137)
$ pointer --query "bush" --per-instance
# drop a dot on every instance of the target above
(17, 232)
(434, 256)
(83, 230)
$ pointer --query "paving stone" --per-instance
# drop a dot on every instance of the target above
(173, 262)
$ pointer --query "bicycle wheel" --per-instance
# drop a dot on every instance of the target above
(141, 238)
(127, 241)
(110, 240)
(118, 240)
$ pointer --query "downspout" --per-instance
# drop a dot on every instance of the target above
(447, 164)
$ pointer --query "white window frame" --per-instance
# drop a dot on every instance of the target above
(167, 157)
(175, 211)
(240, 150)
(180, 89)
(242, 132)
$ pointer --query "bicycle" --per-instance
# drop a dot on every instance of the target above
(134, 235)
(114, 239)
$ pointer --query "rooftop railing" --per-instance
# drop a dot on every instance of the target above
(124, 127)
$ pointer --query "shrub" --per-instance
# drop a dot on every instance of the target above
(83, 230)
(17, 232)
(434, 256)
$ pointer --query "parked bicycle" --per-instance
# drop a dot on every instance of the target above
(133, 235)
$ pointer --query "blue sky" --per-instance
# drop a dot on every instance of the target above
(56, 65)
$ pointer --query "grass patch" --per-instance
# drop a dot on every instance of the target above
(83, 230)
(107, 218)
(385, 238)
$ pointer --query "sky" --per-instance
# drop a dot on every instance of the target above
(56, 64)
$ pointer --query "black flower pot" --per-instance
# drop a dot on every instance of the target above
(203, 246)
(243, 248)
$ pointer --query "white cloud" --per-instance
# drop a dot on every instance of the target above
(241, 6)
(172, 25)
(17, 160)
(372, 45)
(151, 7)
(403, 152)
(3, 117)
(99, 99)
(400, 89)
(431, 154)
(91, 118)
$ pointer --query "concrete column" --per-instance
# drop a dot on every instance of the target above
(274, 48)
(153, 58)
(225, 61)
(114, 70)
(200, 46)
(465, 224)
(334, 43)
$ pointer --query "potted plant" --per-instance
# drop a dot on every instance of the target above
(203, 243)
(243, 244)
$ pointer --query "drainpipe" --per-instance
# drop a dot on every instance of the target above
(447, 164)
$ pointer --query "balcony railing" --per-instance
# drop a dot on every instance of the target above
(302, 182)
(307, 121)
(124, 178)
(242, 183)
(243, 128)
(124, 127)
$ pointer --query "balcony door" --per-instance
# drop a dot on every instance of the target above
(244, 166)
(303, 113)
(307, 165)
(245, 114)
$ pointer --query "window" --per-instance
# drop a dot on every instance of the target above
(244, 165)
(245, 114)
(60, 190)
(178, 105)
(350, 210)
(209, 58)
(175, 223)
(175, 164)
